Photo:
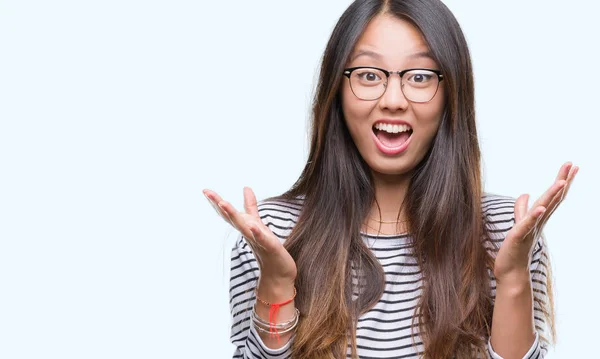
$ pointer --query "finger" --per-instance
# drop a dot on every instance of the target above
(212, 195)
(233, 224)
(521, 207)
(231, 213)
(564, 174)
(570, 179)
(250, 202)
(564, 171)
(238, 219)
(561, 195)
(548, 201)
(546, 198)
(213, 198)
(522, 229)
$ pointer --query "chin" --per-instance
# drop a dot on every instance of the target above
(391, 170)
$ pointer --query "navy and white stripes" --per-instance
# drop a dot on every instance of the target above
(384, 331)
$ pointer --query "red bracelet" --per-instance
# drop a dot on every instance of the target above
(273, 311)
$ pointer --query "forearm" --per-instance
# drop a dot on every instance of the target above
(513, 330)
(275, 292)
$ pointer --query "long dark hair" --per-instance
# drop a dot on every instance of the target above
(443, 205)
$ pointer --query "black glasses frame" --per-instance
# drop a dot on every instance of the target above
(348, 72)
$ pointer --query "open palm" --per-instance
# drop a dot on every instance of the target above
(274, 260)
(515, 251)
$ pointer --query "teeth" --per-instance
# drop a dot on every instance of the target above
(392, 128)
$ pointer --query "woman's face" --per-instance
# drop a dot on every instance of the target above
(391, 44)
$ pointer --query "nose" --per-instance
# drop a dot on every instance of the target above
(393, 98)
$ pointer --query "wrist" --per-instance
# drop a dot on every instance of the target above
(514, 273)
(277, 277)
(514, 283)
(278, 268)
(275, 289)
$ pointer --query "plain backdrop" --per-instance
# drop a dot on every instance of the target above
(116, 114)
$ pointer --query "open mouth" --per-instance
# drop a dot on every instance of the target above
(392, 136)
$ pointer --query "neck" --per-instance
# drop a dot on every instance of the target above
(390, 191)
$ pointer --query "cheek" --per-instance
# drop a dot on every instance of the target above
(356, 112)
(430, 116)
(429, 119)
(424, 133)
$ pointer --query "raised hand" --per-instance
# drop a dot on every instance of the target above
(514, 254)
(276, 264)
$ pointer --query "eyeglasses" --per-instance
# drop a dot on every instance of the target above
(369, 83)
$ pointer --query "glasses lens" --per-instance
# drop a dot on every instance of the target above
(368, 84)
(420, 85)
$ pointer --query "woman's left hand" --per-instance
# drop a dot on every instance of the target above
(514, 255)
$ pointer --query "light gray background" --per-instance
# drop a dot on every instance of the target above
(116, 114)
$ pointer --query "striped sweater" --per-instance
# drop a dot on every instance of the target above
(385, 330)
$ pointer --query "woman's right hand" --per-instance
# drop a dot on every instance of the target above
(276, 265)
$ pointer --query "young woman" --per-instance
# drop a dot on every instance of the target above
(387, 246)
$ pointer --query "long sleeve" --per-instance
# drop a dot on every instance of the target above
(243, 281)
(538, 269)
(499, 213)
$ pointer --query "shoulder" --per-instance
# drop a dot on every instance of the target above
(499, 214)
(498, 210)
(499, 217)
(280, 215)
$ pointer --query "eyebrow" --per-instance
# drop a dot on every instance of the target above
(375, 55)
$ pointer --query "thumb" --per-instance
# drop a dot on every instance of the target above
(250, 202)
(521, 205)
